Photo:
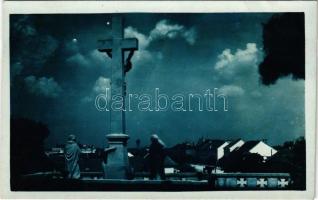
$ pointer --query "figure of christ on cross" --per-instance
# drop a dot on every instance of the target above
(116, 166)
(115, 49)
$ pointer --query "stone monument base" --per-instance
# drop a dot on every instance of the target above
(117, 165)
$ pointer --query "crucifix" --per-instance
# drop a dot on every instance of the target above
(115, 48)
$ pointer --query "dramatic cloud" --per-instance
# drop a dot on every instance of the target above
(43, 86)
(184, 53)
(30, 47)
(242, 62)
(87, 59)
(101, 84)
(231, 90)
(99, 88)
(258, 106)
(163, 30)
(143, 40)
(78, 59)
(284, 45)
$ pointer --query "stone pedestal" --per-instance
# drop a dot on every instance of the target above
(117, 161)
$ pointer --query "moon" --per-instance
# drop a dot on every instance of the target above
(108, 23)
(74, 40)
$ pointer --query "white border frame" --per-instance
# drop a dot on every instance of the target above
(32, 7)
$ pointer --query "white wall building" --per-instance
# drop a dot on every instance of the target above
(263, 149)
(220, 150)
(236, 144)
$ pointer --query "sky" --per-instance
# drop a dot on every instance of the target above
(56, 73)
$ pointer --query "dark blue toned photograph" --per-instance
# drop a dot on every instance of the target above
(157, 102)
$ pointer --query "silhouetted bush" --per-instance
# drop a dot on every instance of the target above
(284, 46)
(27, 147)
(291, 158)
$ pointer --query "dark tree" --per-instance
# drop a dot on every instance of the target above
(27, 147)
(291, 158)
(284, 46)
(247, 162)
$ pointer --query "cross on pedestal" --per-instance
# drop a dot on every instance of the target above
(115, 48)
(117, 161)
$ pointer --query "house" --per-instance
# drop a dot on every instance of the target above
(130, 155)
(170, 166)
(258, 147)
(263, 149)
(182, 153)
(235, 144)
(221, 150)
(205, 151)
(209, 151)
(88, 150)
(250, 157)
(55, 150)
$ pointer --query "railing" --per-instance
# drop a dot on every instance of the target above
(222, 181)
(146, 175)
(251, 180)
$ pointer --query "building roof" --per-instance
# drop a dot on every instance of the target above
(247, 146)
(169, 162)
(241, 151)
(234, 142)
(210, 144)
